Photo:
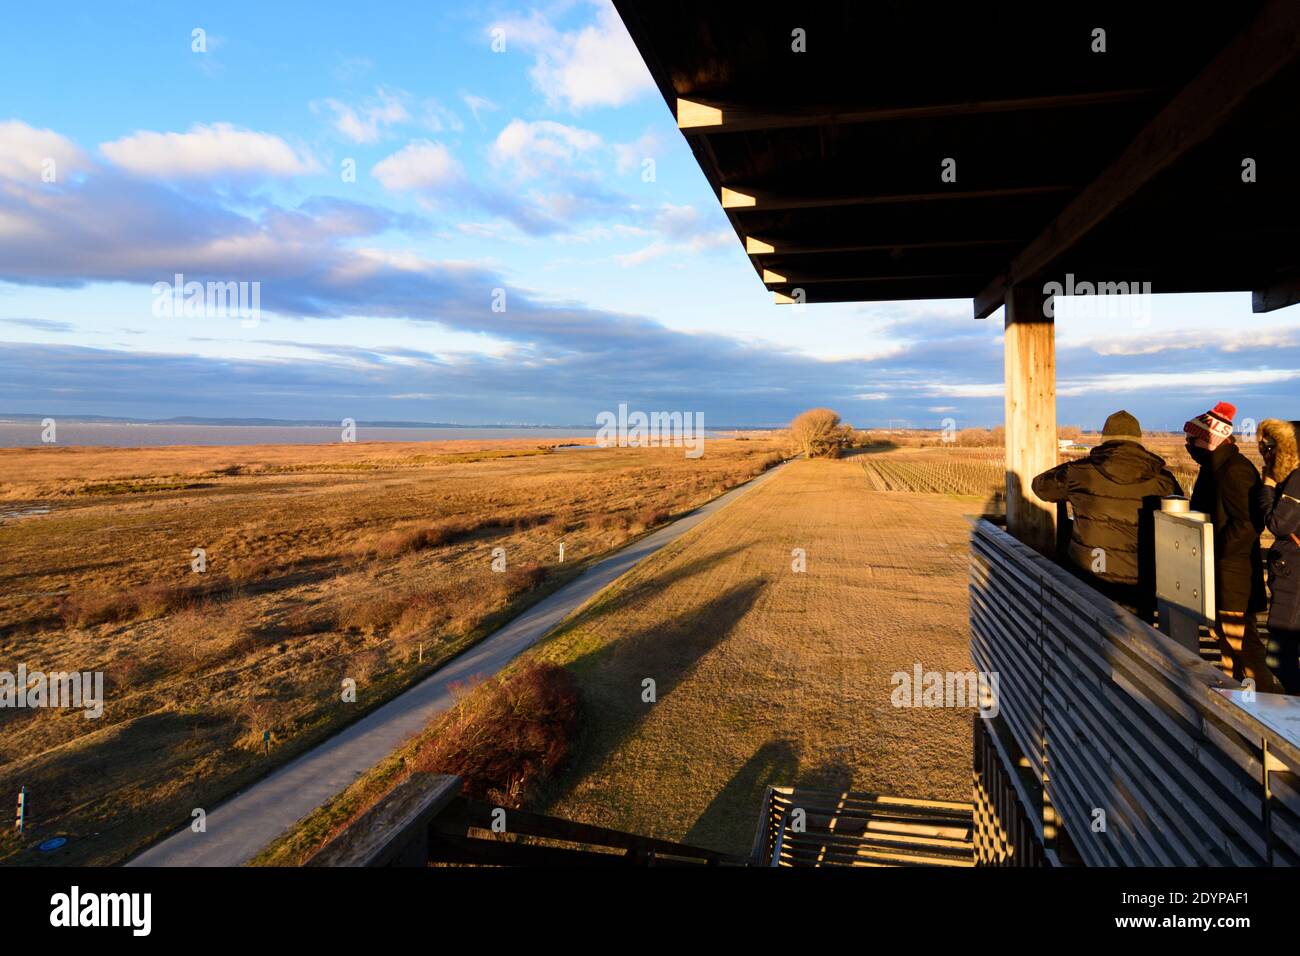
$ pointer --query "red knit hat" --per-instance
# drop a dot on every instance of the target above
(1213, 428)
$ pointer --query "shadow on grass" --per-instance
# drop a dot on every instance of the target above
(92, 793)
(729, 821)
(643, 588)
(611, 676)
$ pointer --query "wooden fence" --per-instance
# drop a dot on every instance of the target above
(800, 827)
(1119, 740)
(425, 819)
(1004, 832)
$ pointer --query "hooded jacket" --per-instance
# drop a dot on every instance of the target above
(1228, 490)
(1280, 509)
(1107, 492)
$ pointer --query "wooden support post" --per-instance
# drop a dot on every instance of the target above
(1031, 448)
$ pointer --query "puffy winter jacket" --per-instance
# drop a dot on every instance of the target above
(1108, 491)
(1280, 509)
(1228, 490)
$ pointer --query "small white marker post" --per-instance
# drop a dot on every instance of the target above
(20, 819)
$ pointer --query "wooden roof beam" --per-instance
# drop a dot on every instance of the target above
(776, 278)
(760, 247)
(740, 199)
(1270, 43)
(695, 116)
(884, 289)
(1279, 295)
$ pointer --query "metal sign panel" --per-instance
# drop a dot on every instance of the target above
(1185, 562)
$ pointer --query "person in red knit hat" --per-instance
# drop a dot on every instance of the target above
(1227, 490)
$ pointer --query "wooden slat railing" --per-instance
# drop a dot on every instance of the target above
(861, 829)
(1121, 726)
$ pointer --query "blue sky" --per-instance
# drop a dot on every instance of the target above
(476, 169)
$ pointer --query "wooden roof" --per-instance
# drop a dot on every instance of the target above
(1116, 166)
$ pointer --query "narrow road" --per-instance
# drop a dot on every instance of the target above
(240, 827)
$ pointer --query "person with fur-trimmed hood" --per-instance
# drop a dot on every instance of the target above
(1227, 490)
(1279, 504)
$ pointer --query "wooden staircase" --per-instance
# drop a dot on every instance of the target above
(815, 828)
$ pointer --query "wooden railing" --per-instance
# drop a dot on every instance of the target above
(800, 827)
(1118, 743)
(425, 819)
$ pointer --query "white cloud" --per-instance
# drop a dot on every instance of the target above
(597, 65)
(540, 146)
(872, 396)
(659, 248)
(365, 123)
(207, 150)
(970, 390)
(1238, 340)
(682, 230)
(630, 156)
(1125, 382)
(656, 250)
(477, 103)
(25, 150)
(1203, 379)
(369, 120)
(436, 118)
(419, 165)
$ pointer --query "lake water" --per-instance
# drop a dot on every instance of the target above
(127, 435)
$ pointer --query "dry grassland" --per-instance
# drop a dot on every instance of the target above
(362, 561)
(767, 676)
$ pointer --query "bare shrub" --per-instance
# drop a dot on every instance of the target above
(88, 607)
(207, 634)
(399, 541)
(982, 437)
(155, 600)
(306, 619)
(259, 715)
(422, 611)
(562, 522)
(818, 433)
(370, 612)
(91, 606)
(247, 568)
(651, 515)
(524, 577)
(507, 735)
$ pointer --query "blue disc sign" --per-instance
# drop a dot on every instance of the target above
(49, 846)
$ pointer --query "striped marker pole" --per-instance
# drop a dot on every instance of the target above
(22, 806)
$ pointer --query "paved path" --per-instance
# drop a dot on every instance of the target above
(239, 828)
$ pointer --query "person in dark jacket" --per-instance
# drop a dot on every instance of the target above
(1107, 492)
(1227, 489)
(1279, 506)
